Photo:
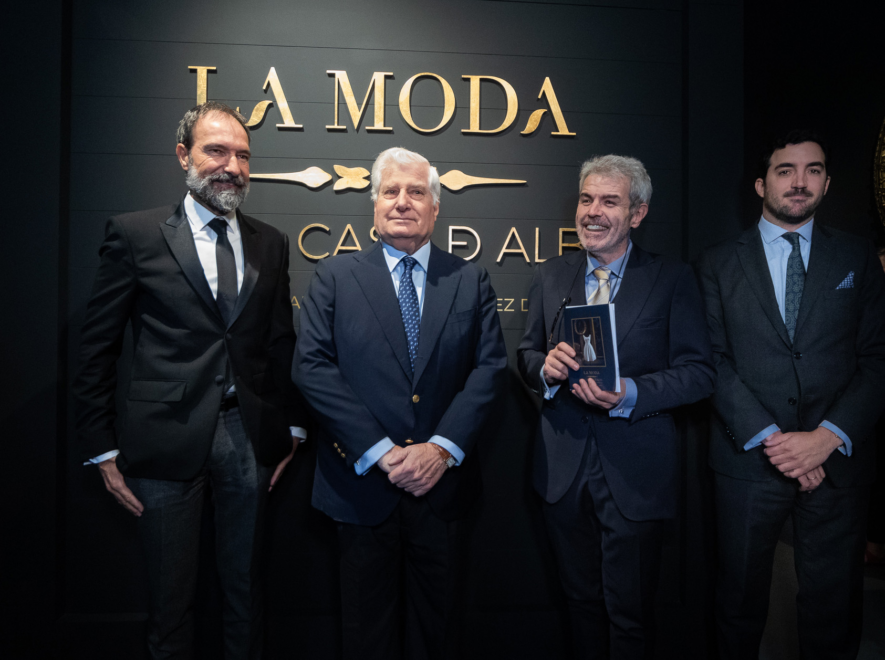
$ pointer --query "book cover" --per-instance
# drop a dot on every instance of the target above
(590, 330)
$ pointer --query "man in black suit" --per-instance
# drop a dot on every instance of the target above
(401, 357)
(607, 463)
(797, 318)
(210, 400)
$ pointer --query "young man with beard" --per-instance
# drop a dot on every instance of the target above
(210, 400)
(606, 463)
(796, 313)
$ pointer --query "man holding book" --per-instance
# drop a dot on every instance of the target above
(606, 462)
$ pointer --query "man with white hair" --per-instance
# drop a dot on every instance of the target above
(606, 463)
(401, 357)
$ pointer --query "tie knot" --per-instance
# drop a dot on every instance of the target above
(792, 238)
(601, 273)
(219, 225)
(409, 264)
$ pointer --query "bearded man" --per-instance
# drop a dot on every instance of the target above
(796, 313)
(209, 399)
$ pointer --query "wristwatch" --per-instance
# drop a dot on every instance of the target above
(446, 455)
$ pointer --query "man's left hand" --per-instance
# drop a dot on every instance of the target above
(590, 393)
(283, 463)
(420, 469)
(798, 453)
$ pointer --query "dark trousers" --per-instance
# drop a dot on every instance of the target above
(828, 535)
(397, 585)
(169, 530)
(608, 566)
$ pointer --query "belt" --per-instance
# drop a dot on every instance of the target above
(229, 402)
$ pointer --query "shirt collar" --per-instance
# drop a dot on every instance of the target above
(771, 232)
(393, 256)
(616, 266)
(199, 216)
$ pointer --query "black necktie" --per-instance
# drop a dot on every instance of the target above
(226, 297)
(795, 284)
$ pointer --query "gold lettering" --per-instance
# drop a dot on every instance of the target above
(288, 120)
(499, 304)
(522, 306)
(295, 302)
(405, 102)
(373, 234)
(519, 250)
(453, 244)
(341, 247)
(535, 119)
(562, 231)
(538, 259)
(512, 104)
(301, 241)
(356, 114)
(202, 82)
(509, 303)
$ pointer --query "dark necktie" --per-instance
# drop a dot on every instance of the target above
(408, 304)
(226, 297)
(795, 284)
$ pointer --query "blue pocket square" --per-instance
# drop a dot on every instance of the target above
(848, 282)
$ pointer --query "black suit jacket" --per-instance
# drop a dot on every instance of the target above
(150, 276)
(662, 344)
(352, 365)
(834, 369)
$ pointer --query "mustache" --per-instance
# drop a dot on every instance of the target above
(799, 193)
(226, 177)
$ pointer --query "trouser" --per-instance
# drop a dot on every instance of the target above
(828, 535)
(397, 585)
(169, 531)
(608, 566)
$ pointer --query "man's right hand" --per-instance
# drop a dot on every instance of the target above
(558, 362)
(115, 483)
(391, 459)
(811, 480)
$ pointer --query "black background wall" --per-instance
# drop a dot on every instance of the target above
(98, 89)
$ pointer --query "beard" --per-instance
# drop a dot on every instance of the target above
(203, 189)
(785, 212)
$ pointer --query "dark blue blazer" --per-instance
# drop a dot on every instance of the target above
(352, 365)
(662, 345)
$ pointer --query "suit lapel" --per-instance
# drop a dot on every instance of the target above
(752, 258)
(571, 285)
(820, 262)
(439, 293)
(374, 279)
(177, 232)
(251, 239)
(639, 280)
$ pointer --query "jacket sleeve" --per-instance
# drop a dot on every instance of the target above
(532, 349)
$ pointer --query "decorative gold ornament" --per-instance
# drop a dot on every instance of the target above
(351, 177)
(312, 177)
(456, 180)
(879, 174)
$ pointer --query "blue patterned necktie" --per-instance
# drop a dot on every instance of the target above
(795, 284)
(408, 304)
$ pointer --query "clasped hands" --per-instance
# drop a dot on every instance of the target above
(556, 367)
(415, 469)
(800, 455)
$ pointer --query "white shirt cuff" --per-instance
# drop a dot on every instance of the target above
(298, 432)
(101, 459)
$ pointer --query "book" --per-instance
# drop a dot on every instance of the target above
(590, 330)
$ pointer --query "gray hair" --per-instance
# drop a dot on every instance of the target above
(400, 156)
(185, 133)
(624, 167)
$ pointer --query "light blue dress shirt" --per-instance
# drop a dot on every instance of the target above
(777, 252)
(591, 285)
(394, 259)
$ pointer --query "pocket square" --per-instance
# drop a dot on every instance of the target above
(848, 282)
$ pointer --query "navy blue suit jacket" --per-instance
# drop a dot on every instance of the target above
(352, 363)
(662, 345)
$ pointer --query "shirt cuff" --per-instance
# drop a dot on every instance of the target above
(625, 408)
(298, 432)
(365, 462)
(456, 452)
(757, 439)
(549, 392)
(846, 448)
(101, 459)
